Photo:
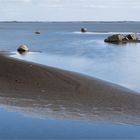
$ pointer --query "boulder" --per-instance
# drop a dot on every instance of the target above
(83, 30)
(116, 38)
(119, 38)
(23, 48)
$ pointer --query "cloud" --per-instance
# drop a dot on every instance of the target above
(69, 9)
(76, 3)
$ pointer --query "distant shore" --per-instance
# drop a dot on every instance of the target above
(69, 21)
(33, 85)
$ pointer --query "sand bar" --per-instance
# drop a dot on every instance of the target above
(50, 92)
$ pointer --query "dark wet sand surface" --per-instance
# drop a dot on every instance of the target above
(51, 92)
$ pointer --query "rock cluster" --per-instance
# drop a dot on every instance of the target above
(120, 38)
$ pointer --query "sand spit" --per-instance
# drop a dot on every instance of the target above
(50, 92)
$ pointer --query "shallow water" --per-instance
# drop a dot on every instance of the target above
(15, 125)
(116, 64)
(87, 53)
(62, 45)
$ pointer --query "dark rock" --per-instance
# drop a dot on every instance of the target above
(37, 33)
(83, 30)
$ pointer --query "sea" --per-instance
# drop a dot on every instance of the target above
(62, 45)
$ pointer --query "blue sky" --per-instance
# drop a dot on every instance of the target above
(70, 10)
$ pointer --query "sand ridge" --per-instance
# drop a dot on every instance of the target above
(29, 85)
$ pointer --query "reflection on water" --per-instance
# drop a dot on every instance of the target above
(37, 117)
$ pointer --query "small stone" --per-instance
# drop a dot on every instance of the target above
(37, 33)
(43, 90)
(83, 30)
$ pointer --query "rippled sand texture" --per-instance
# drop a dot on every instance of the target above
(43, 91)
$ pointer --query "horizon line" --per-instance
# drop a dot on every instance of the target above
(18, 21)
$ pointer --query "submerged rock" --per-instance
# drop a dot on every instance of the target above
(23, 49)
(37, 33)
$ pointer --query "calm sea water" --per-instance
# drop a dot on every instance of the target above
(62, 45)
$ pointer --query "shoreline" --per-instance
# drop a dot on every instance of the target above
(29, 85)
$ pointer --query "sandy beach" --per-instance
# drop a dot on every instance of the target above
(64, 94)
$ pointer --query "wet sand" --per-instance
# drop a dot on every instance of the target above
(39, 90)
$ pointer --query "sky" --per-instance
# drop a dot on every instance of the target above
(69, 10)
